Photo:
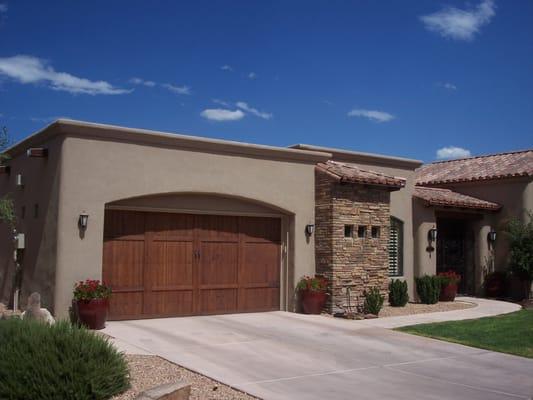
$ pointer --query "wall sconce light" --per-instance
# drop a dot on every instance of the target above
(83, 220)
(432, 234)
(432, 238)
(491, 236)
(309, 229)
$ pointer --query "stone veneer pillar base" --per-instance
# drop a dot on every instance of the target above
(353, 264)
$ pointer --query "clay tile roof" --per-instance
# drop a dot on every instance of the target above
(449, 198)
(350, 173)
(495, 166)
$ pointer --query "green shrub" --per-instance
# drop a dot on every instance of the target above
(428, 289)
(398, 296)
(373, 301)
(62, 361)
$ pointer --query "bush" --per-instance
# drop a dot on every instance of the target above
(373, 301)
(398, 296)
(428, 289)
(61, 361)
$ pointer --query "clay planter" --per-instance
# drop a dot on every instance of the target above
(312, 301)
(93, 313)
(448, 292)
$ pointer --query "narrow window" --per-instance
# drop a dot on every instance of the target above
(348, 231)
(361, 231)
(22, 212)
(36, 210)
(396, 247)
(375, 232)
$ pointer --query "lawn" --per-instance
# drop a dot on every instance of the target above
(511, 333)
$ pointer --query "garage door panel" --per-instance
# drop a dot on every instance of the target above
(165, 226)
(261, 264)
(218, 263)
(126, 261)
(170, 264)
(260, 299)
(260, 229)
(167, 303)
(217, 227)
(218, 301)
(125, 305)
(125, 225)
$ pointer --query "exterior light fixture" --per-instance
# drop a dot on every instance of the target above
(432, 234)
(39, 152)
(309, 229)
(491, 236)
(83, 220)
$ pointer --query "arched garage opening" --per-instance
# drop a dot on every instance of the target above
(194, 254)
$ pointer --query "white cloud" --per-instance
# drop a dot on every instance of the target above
(252, 75)
(450, 152)
(177, 89)
(47, 119)
(139, 81)
(261, 114)
(219, 114)
(460, 24)
(29, 69)
(221, 102)
(226, 68)
(3, 7)
(374, 115)
(448, 85)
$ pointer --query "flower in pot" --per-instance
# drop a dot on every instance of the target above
(91, 298)
(448, 285)
(313, 293)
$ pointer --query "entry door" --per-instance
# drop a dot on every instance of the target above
(161, 264)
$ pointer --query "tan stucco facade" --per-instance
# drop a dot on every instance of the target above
(97, 165)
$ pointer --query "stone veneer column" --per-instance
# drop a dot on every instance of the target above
(355, 263)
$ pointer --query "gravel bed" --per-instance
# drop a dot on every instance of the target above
(417, 308)
(149, 371)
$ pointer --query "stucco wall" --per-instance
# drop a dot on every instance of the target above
(41, 189)
(96, 172)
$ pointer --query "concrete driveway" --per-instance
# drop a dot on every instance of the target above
(281, 355)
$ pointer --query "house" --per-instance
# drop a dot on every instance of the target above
(182, 225)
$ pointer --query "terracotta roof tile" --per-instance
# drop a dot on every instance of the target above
(495, 166)
(346, 172)
(449, 198)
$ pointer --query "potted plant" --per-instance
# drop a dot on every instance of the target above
(448, 285)
(495, 284)
(313, 293)
(92, 302)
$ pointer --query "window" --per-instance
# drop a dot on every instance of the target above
(375, 232)
(22, 212)
(361, 231)
(348, 231)
(396, 247)
(36, 210)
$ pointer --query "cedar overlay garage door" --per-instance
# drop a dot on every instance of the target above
(162, 264)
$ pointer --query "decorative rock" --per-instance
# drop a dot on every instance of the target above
(35, 312)
(170, 391)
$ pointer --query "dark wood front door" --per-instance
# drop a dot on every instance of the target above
(455, 251)
(162, 264)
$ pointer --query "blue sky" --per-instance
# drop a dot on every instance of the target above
(403, 78)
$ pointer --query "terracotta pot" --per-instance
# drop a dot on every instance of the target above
(313, 302)
(93, 313)
(448, 292)
(495, 285)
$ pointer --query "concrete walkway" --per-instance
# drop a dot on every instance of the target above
(281, 355)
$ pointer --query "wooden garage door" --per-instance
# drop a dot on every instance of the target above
(162, 264)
